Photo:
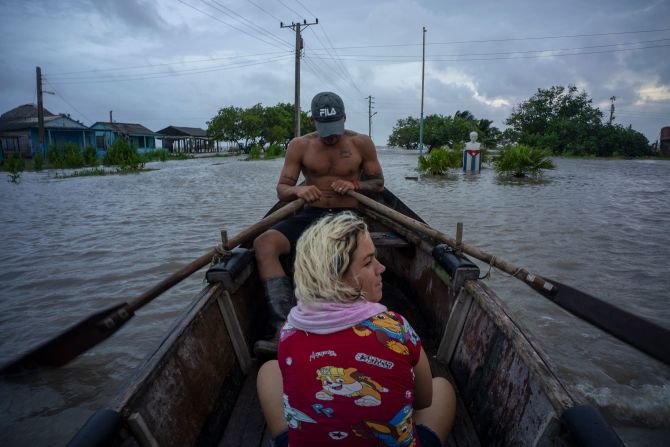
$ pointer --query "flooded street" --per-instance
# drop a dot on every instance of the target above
(74, 246)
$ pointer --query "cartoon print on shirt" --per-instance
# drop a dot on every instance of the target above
(349, 383)
(396, 432)
(294, 417)
(390, 330)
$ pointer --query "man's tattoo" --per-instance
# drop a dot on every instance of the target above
(290, 179)
(345, 153)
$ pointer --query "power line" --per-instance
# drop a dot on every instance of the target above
(454, 42)
(230, 13)
(291, 9)
(228, 24)
(467, 59)
(66, 101)
(136, 67)
(266, 11)
(508, 52)
(168, 74)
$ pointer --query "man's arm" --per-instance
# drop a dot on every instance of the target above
(286, 189)
(374, 178)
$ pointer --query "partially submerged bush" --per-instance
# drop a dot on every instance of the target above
(15, 165)
(38, 162)
(440, 160)
(66, 156)
(122, 154)
(274, 151)
(522, 160)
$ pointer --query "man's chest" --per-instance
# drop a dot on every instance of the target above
(338, 161)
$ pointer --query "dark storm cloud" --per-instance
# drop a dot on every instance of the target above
(168, 38)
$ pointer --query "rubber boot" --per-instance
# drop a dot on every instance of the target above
(280, 297)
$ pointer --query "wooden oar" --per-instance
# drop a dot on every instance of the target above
(632, 329)
(99, 326)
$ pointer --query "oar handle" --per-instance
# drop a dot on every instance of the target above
(535, 281)
(194, 266)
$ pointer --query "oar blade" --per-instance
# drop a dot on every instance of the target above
(71, 342)
(639, 332)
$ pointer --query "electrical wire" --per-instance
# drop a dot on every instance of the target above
(230, 13)
(468, 59)
(137, 67)
(232, 26)
(170, 74)
(66, 101)
(640, 42)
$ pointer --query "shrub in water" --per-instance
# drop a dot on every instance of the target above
(67, 156)
(121, 153)
(274, 151)
(522, 160)
(38, 162)
(440, 160)
(15, 166)
(91, 156)
(255, 152)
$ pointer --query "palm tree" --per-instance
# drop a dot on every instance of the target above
(522, 160)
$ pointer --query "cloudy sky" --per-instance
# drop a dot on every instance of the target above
(176, 62)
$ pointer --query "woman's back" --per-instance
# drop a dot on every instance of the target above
(355, 384)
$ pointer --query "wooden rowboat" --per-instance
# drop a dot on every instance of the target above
(198, 386)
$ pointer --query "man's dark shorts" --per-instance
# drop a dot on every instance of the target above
(294, 226)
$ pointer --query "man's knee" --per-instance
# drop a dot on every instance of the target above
(271, 243)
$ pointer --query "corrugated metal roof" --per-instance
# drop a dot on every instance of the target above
(183, 131)
(50, 122)
(126, 128)
(23, 112)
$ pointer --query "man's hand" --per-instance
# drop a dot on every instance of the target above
(342, 186)
(308, 193)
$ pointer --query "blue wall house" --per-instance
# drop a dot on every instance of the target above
(19, 131)
(185, 139)
(137, 135)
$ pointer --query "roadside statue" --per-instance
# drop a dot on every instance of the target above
(472, 157)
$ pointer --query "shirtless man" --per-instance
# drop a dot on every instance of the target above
(331, 160)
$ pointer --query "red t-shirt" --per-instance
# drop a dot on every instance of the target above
(354, 387)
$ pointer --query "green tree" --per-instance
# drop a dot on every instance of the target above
(277, 124)
(251, 122)
(405, 133)
(225, 126)
(440, 130)
(558, 119)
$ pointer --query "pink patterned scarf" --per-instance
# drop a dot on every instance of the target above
(326, 318)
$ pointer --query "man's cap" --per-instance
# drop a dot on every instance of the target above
(328, 114)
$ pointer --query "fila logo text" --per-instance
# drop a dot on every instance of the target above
(327, 112)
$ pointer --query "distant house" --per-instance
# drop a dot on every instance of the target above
(19, 131)
(185, 139)
(664, 141)
(136, 134)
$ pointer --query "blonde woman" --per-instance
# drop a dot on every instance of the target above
(349, 372)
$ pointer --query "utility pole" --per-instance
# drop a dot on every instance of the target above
(297, 27)
(613, 98)
(40, 111)
(423, 68)
(370, 115)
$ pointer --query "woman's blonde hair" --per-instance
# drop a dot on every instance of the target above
(323, 254)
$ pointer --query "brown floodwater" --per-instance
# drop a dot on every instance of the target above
(73, 246)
